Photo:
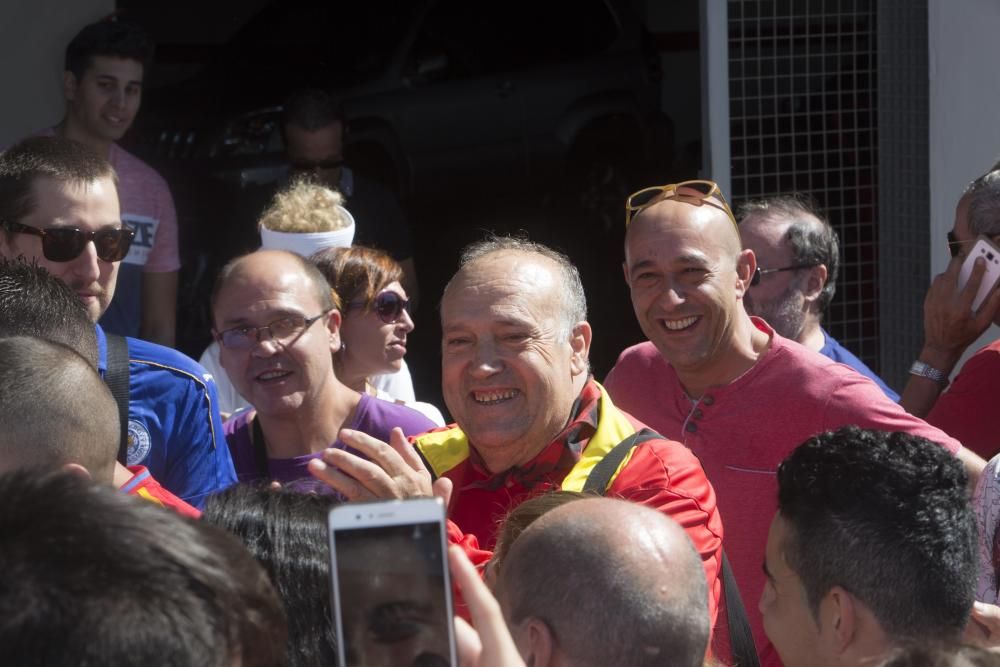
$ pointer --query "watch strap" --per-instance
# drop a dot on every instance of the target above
(927, 371)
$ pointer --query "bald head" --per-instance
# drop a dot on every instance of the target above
(709, 217)
(621, 584)
(278, 268)
(54, 409)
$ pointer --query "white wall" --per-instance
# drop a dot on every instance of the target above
(964, 110)
(33, 37)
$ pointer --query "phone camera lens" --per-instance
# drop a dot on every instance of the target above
(989, 256)
(358, 517)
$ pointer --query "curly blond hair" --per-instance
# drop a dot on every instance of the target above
(305, 207)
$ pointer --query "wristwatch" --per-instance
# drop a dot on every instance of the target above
(929, 372)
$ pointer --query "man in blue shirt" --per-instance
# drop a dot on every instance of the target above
(797, 258)
(59, 208)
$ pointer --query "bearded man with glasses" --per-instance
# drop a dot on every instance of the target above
(797, 254)
(59, 209)
(277, 323)
(739, 395)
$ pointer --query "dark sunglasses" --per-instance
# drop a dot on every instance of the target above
(389, 306)
(305, 165)
(64, 244)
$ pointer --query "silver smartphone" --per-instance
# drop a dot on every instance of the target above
(391, 590)
(986, 249)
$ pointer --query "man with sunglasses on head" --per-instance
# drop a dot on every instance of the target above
(59, 208)
(739, 395)
(102, 83)
(797, 261)
(967, 409)
(278, 326)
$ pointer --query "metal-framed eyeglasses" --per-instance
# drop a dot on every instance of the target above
(283, 331)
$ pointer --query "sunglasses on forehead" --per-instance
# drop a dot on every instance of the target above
(696, 193)
(389, 306)
(64, 244)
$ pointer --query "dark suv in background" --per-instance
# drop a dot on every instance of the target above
(527, 114)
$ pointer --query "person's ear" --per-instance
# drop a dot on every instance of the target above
(838, 619)
(333, 325)
(746, 268)
(539, 647)
(815, 282)
(78, 470)
(579, 340)
(69, 85)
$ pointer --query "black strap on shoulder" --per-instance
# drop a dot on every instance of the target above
(117, 378)
(599, 478)
(740, 638)
(260, 449)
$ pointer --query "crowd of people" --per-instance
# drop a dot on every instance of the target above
(740, 490)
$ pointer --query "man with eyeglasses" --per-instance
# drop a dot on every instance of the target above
(739, 395)
(967, 409)
(278, 325)
(59, 209)
(797, 256)
(105, 65)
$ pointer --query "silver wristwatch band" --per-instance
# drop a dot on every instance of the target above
(929, 372)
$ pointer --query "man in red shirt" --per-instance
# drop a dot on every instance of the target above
(739, 395)
(530, 418)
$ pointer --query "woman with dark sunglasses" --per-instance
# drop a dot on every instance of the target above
(376, 322)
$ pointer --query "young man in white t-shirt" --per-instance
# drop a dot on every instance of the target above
(102, 83)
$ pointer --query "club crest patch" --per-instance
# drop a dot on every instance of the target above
(139, 442)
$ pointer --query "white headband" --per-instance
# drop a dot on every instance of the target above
(309, 243)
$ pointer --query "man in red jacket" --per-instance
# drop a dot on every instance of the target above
(530, 418)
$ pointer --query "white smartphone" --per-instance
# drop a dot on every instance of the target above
(986, 249)
(391, 590)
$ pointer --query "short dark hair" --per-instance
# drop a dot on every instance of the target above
(887, 517)
(598, 593)
(323, 291)
(287, 533)
(811, 243)
(89, 575)
(35, 303)
(311, 109)
(54, 409)
(108, 37)
(57, 158)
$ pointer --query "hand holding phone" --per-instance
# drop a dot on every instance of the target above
(990, 254)
(391, 590)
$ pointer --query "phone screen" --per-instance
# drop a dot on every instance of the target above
(394, 597)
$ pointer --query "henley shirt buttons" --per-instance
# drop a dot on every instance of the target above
(707, 399)
(697, 413)
(691, 427)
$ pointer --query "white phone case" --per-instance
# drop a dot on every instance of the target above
(984, 248)
(363, 520)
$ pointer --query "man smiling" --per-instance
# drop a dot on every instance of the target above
(530, 418)
(739, 395)
(102, 84)
(278, 326)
